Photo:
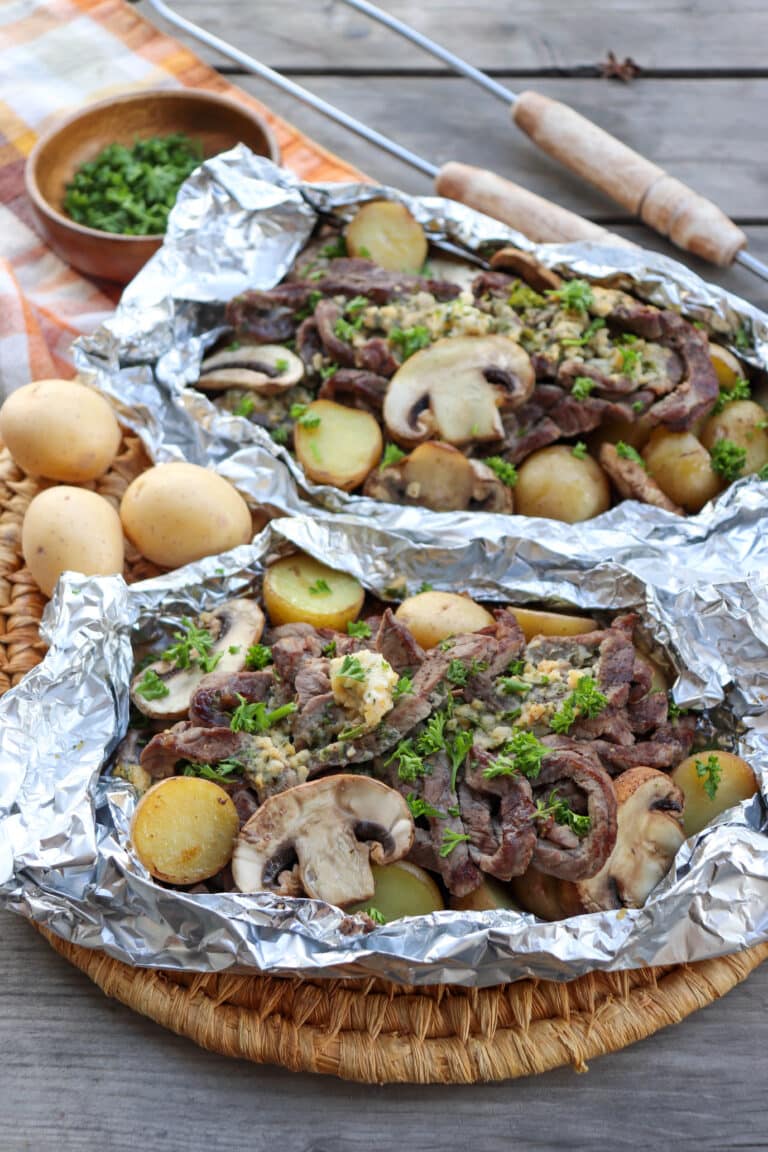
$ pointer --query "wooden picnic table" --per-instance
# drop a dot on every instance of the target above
(81, 1072)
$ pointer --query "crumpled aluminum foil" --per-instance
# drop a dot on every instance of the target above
(64, 829)
(698, 584)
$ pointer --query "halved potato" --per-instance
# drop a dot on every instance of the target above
(402, 889)
(736, 783)
(439, 477)
(300, 589)
(490, 895)
(682, 468)
(386, 232)
(726, 366)
(184, 829)
(341, 448)
(535, 623)
(743, 423)
(434, 616)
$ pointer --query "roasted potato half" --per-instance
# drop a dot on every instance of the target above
(300, 589)
(535, 623)
(726, 366)
(682, 468)
(434, 616)
(743, 423)
(184, 829)
(402, 889)
(337, 445)
(711, 782)
(386, 232)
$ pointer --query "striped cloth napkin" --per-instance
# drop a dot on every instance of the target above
(55, 56)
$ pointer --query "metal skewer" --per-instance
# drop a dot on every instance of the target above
(731, 247)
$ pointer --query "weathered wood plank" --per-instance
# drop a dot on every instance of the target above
(524, 36)
(83, 1073)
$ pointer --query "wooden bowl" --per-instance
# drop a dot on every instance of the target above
(218, 123)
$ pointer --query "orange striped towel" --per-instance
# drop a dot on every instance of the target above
(55, 56)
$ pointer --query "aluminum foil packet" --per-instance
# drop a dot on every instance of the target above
(65, 859)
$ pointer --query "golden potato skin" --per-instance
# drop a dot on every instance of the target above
(554, 483)
(294, 593)
(386, 232)
(740, 422)
(61, 430)
(434, 616)
(536, 623)
(342, 448)
(67, 528)
(727, 368)
(682, 468)
(177, 513)
(491, 894)
(184, 829)
(737, 783)
(402, 889)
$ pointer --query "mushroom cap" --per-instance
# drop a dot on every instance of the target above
(454, 389)
(266, 368)
(527, 267)
(236, 624)
(326, 832)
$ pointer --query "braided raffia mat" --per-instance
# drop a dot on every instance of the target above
(369, 1031)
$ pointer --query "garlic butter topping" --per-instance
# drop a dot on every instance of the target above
(364, 684)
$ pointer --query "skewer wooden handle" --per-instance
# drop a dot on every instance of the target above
(538, 219)
(666, 204)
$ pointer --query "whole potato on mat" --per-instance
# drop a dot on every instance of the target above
(386, 232)
(61, 430)
(70, 529)
(299, 589)
(434, 616)
(184, 829)
(554, 483)
(177, 513)
(711, 782)
(337, 445)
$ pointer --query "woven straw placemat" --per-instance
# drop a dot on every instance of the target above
(369, 1031)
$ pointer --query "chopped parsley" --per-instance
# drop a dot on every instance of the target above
(627, 452)
(257, 657)
(458, 673)
(374, 914)
(328, 370)
(358, 628)
(313, 300)
(710, 773)
(420, 807)
(510, 684)
(579, 450)
(762, 473)
(516, 668)
(392, 455)
(319, 588)
(364, 253)
(244, 406)
(425, 586)
(631, 360)
(740, 391)
(505, 471)
(353, 732)
(574, 296)
(151, 687)
(355, 306)
(256, 717)
(728, 459)
(192, 647)
(562, 813)
(352, 669)
(279, 435)
(334, 248)
(329, 649)
(281, 365)
(638, 406)
(522, 753)
(451, 840)
(674, 710)
(742, 338)
(523, 296)
(458, 750)
(220, 773)
(347, 329)
(582, 386)
(432, 739)
(586, 336)
(585, 701)
(404, 687)
(410, 765)
(410, 340)
(299, 413)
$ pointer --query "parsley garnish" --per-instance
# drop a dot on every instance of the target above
(244, 406)
(631, 359)
(522, 753)
(151, 687)
(638, 406)
(505, 471)
(579, 450)
(374, 914)
(257, 657)
(574, 295)
(281, 365)
(562, 813)
(364, 253)
(319, 588)
(329, 649)
(404, 687)
(279, 435)
(313, 300)
(710, 773)
(358, 628)
(510, 684)
(334, 248)
(392, 455)
(674, 710)
(220, 773)
(410, 340)
(299, 413)
(627, 452)
(352, 733)
(432, 739)
(458, 750)
(762, 473)
(450, 840)
(457, 673)
(740, 391)
(192, 647)
(352, 669)
(409, 764)
(742, 338)
(523, 296)
(585, 701)
(728, 459)
(582, 386)
(355, 306)
(255, 717)
(420, 807)
(328, 370)
(589, 331)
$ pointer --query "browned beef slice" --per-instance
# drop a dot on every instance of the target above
(327, 315)
(245, 803)
(308, 342)
(632, 482)
(291, 645)
(457, 869)
(498, 815)
(317, 723)
(312, 679)
(356, 388)
(349, 276)
(376, 356)
(218, 694)
(558, 851)
(396, 644)
(185, 741)
(531, 439)
(648, 713)
(699, 389)
(492, 284)
(268, 316)
(408, 712)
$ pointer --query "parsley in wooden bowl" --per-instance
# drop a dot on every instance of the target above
(102, 181)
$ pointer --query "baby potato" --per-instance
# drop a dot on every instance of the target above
(402, 889)
(535, 623)
(184, 829)
(68, 528)
(341, 448)
(682, 468)
(740, 421)
(177, 513)
(726, 366)
(386, 232)
(554, 483)
(439, 477)
(61, 430)
(727, 776)
(490, 895)
(301, 589)
(434, 616)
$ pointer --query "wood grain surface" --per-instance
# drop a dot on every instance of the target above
(81, 1073)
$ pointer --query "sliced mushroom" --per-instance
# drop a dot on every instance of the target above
(325, 834)
(540, 278)
(455, 389)
(266, 368)
(234, 626)
(490, 494)
(439, 477)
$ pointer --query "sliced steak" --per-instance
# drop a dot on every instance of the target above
(632, 481)
(558, 851)
(349, 276)
(219, 693)
(268, 316)
(397, 645)
(356, 388)
(199, 745)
